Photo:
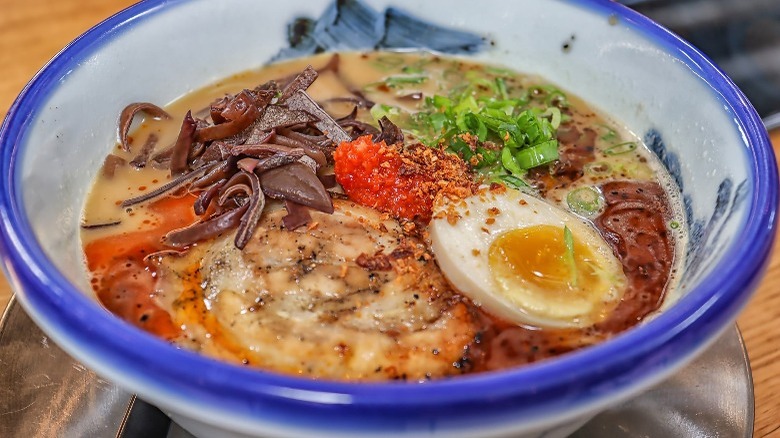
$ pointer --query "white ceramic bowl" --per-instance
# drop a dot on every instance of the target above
(704, 130)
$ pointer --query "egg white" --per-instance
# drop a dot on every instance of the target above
(462, 232)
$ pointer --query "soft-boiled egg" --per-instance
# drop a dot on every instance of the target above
(526, 260)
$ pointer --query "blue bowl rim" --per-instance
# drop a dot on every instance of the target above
(697, 316)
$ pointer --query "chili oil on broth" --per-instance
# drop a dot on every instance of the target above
(404, 333)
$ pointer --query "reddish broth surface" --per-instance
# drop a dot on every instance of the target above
(123, 281)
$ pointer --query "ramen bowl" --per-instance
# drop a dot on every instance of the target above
(689, 114)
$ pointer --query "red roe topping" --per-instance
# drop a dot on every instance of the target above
(401, 181)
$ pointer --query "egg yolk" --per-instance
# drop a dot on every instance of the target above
(534, 268)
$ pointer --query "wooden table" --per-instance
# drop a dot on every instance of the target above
(33, 31)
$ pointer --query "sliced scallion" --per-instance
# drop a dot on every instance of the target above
(598, 168)
(402, 81)
(556, 98)
(412, 69)
(585, 201)
(555, 116)
(512, 181)
(509, 162)
(381, 110)
(519, 129)
(568, 241)
(501, 88)
(621, 148)
(610, 133)
(537, 155)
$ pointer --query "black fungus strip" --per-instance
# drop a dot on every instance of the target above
(128, 114)
(163, 253)
(311, 149)
(297, 215)
(169, 187)
(252, 216)
(301, 101)
(247, 164)
(142, 158)
(320, 141)
(391, 134)
(216, 151)
(261, 150)
(297, 183)
(310, 163)
(301, 82)
(230, 191)
(204, 230)
(257, 136)
(328, 180)
(238, 183)
(204, 199)
(216, 108)
(100, 225)
(359, 128)
(280, 116)
(181, 150)
(218, 171)
(239, 113)
(110, 164)
(277, 160)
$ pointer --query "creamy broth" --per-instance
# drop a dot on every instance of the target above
(317, 301)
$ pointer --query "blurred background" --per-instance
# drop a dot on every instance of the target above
(741, 36)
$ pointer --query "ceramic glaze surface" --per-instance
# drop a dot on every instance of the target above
(700, 125)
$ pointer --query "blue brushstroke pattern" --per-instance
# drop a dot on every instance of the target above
(352, 25)
(705, 240)
(404, 30)
(704, 235)
(348, 25)
(739, 198)
(671, 162)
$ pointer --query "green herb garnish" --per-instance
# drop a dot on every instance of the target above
(585, 201)
(568, 240)
(500, 129)
(471, 123)
(381, 110)
(621, 148)
(403, 81)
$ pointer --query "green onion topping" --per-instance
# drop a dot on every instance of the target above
(498, 127)
(621, 148)
(598, 168)
(402, 81)
(568, 240)
(585, 201)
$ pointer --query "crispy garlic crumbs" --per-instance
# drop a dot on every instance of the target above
(497, 188)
